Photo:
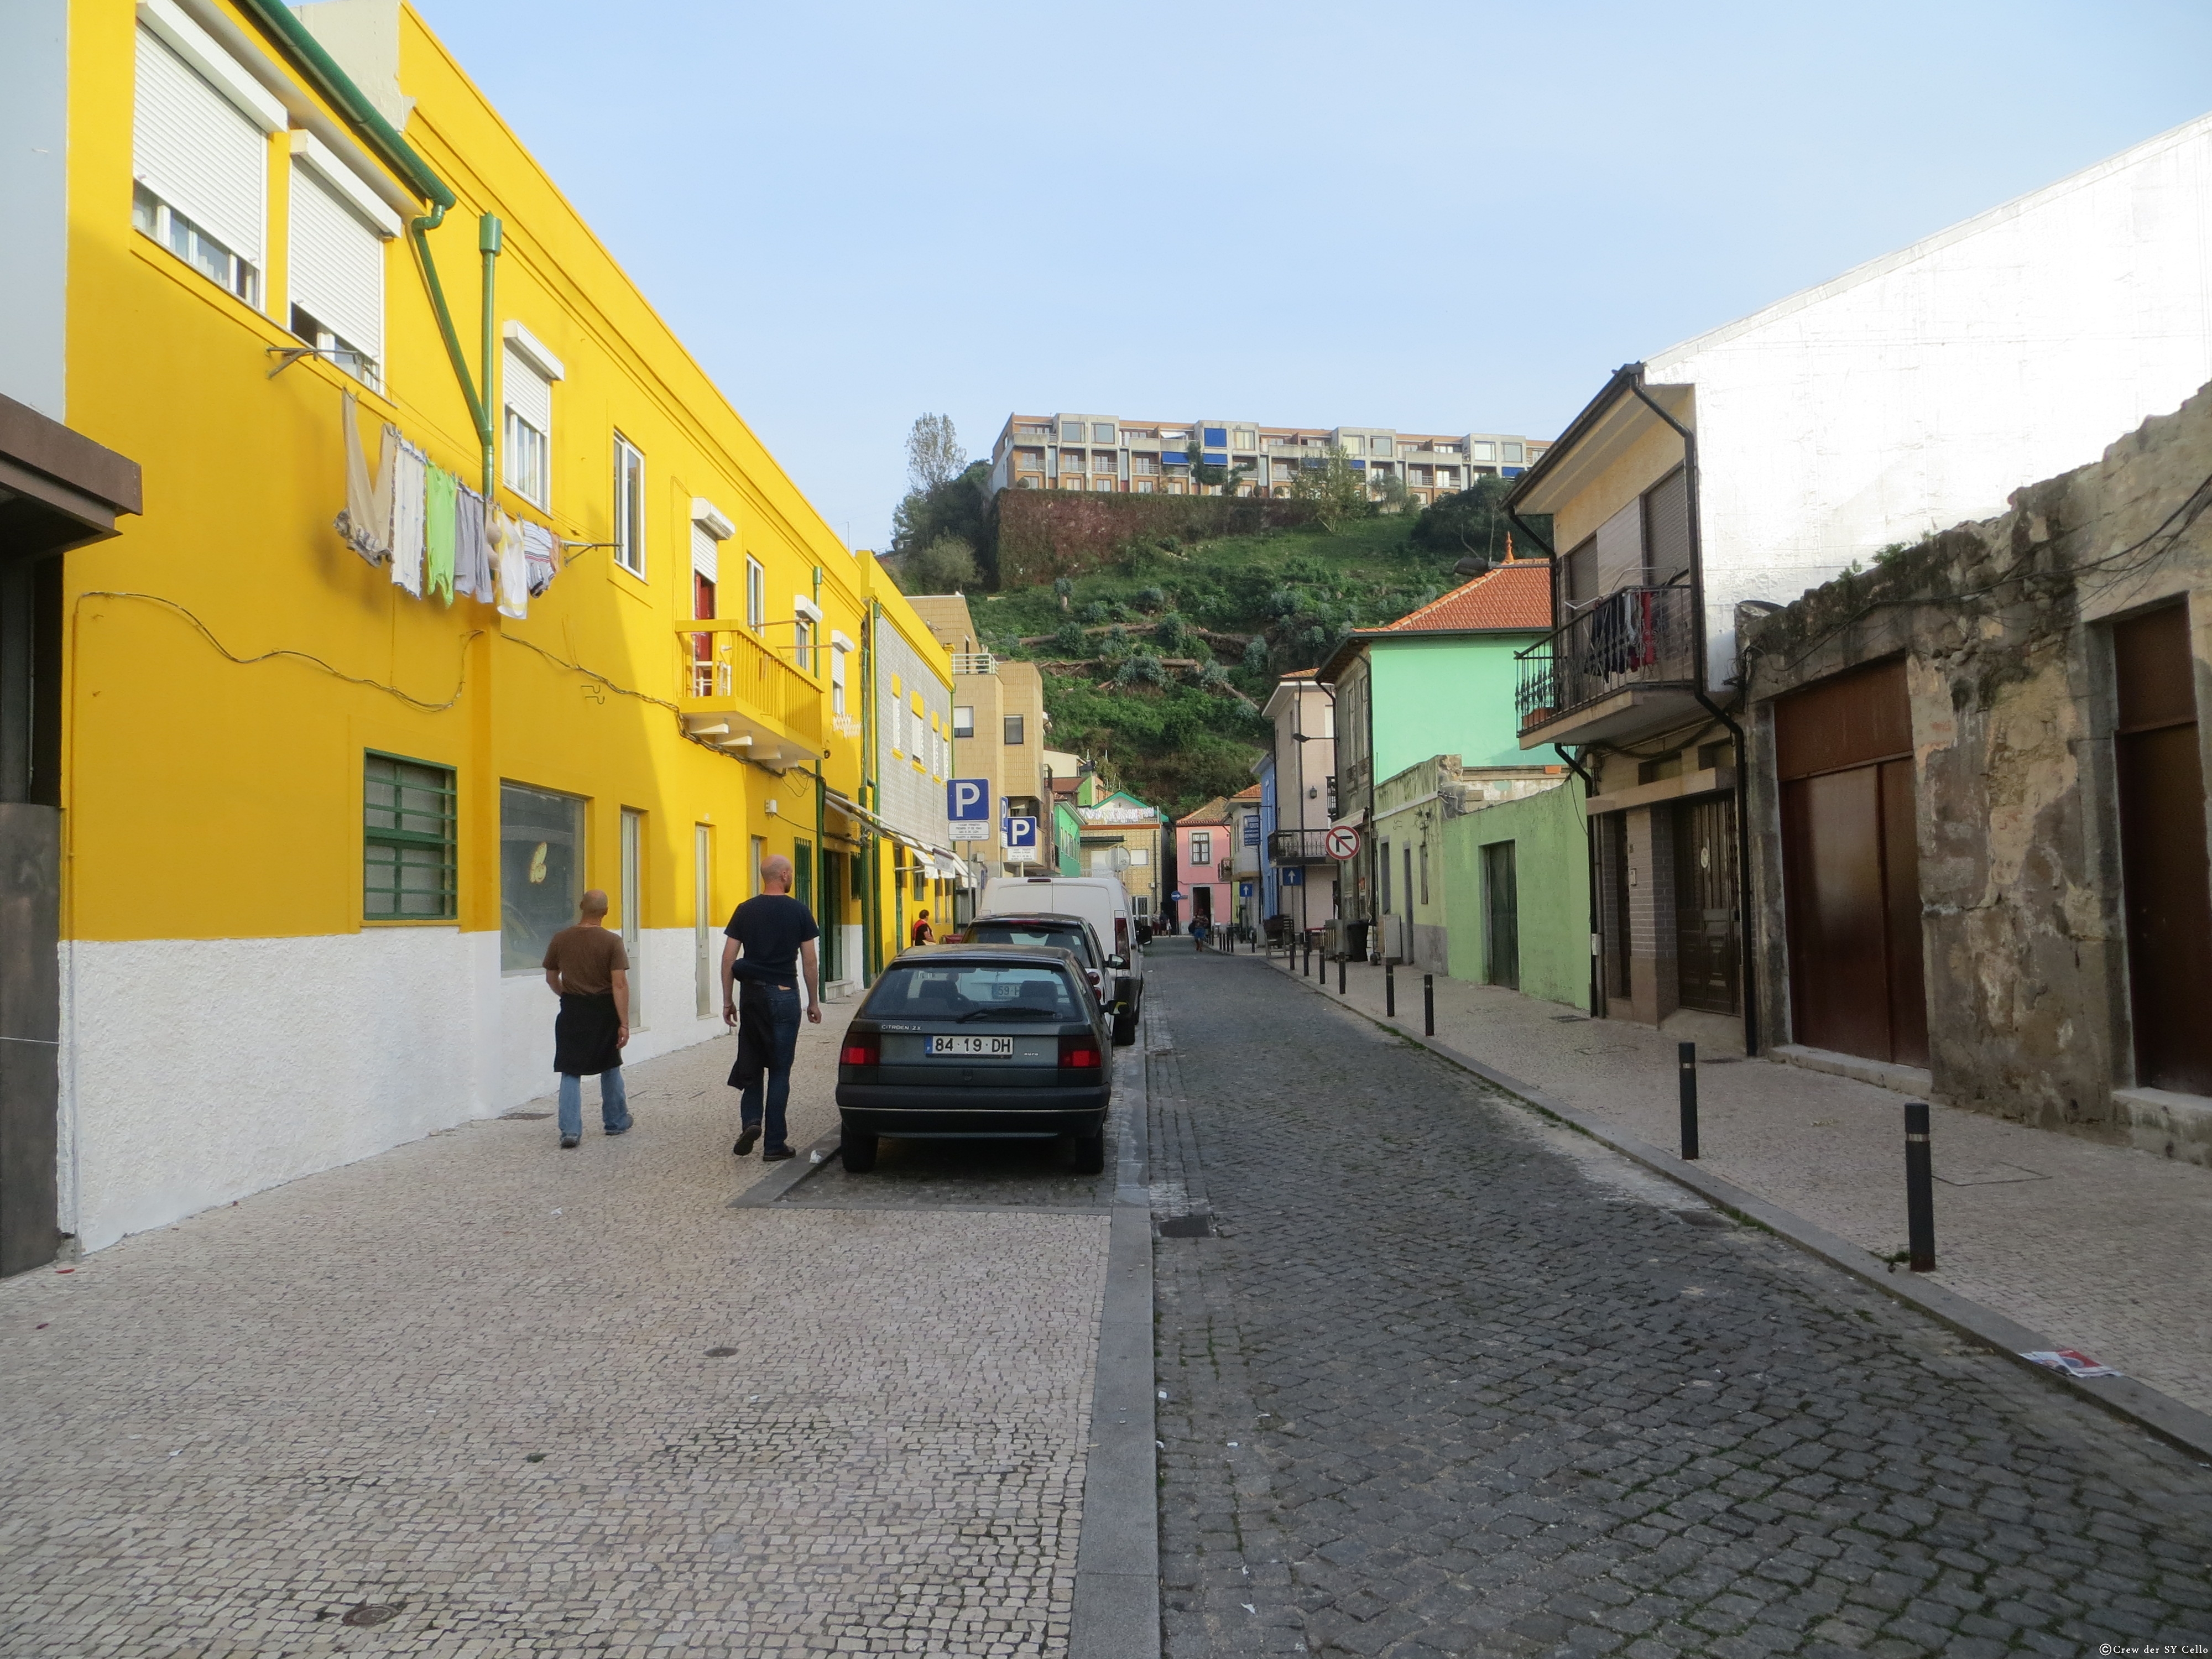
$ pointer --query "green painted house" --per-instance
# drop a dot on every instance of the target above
(1437, 682)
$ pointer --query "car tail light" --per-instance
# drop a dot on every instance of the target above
(1120, 936)
(1079, 1054)
(866, 1050)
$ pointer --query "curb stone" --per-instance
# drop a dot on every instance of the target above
(2124, 1397)
(1117, 1611)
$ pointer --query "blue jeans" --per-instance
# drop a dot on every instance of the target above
(614, 1106)
(784, 1008)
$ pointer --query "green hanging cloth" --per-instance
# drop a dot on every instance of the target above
(440, 499)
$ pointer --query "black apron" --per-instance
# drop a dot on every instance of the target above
(586, 1034)
(755, 1036)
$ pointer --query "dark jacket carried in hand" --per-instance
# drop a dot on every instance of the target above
(755, 1031)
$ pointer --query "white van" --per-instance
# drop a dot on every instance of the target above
(1104, 902)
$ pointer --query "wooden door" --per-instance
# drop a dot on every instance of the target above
(1501, 917)
(1704, 903)
(1851, 868)
(2167, 888)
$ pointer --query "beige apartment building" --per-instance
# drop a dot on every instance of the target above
(1104, 452)
(999, 728)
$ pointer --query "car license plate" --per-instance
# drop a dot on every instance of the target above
(974, 1048)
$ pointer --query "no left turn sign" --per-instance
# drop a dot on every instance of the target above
(1342, 843)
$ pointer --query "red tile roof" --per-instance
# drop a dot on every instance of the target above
(1253, 793)
(1516, 596)
(1214, 811)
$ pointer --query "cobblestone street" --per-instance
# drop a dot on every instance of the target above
(1439, 1377)
(501, 1398)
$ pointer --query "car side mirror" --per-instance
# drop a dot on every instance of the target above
(1117, 962)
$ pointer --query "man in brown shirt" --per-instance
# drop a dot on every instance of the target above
(588, 970)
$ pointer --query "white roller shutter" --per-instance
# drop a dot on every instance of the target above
(705, 552)
(191, 148)
(338, 264)
(528, 392)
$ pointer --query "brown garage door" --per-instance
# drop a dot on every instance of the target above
(1851, 866)
(2168, 893)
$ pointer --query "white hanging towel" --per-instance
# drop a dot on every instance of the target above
(410, 483)
(510, 565)
(366, 518)
(471, 548)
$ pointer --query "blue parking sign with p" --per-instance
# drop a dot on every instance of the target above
(968, 801)
(1021, 835)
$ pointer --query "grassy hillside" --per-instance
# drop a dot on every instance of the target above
(1158, 666)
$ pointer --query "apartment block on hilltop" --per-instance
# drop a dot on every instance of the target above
(1104, 452)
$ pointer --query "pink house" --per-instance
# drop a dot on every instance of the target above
(1203, 862)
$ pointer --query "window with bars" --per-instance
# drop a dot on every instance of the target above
(407, 841)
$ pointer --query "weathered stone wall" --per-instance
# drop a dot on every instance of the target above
(2008, 677)
(1042, 534)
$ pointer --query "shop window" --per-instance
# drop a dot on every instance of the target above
(541, 871)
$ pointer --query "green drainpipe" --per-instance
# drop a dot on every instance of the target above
(298, 46)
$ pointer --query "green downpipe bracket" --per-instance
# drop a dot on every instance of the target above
(298, 46)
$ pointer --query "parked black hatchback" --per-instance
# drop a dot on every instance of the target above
(977, 1041)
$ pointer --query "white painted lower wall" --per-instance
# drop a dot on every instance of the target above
(194, 1072)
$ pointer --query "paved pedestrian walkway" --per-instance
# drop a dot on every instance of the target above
(2105, 1248)
(1437, 1378)
(481, 1396)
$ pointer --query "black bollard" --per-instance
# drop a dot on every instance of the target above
(1340, 977)
(1687, 1054)
(1390, 989)
(1919, 1189)
(1428, 1005)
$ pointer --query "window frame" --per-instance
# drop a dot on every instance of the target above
(968, 710)
(1013, 732)
(393, 837)
(756, 594)
(628, 506)
(1201, 848)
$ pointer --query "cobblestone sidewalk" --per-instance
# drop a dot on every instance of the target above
(2104, 1248)
(505, 1400)
(1439, 1378)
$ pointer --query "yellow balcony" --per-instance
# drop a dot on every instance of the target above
(738, 694)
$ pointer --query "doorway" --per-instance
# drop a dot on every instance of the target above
(1501, 917)
(1201, 905)
(632, 902)
(2166, 887)
(1705, 903)
(702, 914)
(1851, 867)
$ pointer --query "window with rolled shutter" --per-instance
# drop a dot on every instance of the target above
(336, 272)
(705, 552)
(529, 428)
(201, 159)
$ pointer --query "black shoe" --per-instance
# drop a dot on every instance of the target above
(776, 1154)
(746, 1137)
(568, 1143)
(622, 1131)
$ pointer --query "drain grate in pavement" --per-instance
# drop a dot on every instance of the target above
(523, 1117)
(369, 1615)
(1199, 1224)
(1704, 1218)
(721, 1353)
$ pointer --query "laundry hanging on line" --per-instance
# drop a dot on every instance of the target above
(366, 520)
(410, 479)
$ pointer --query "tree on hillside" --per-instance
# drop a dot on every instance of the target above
(947, 565)
(933, 454)
(957, 508)
(1224, 478)
(1473, 525)
(1337, 489)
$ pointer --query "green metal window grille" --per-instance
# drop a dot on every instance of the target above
(407, 841)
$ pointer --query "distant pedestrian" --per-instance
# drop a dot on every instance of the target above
(777, 934)
(923, 933)
(589, 971)
(1198, 931)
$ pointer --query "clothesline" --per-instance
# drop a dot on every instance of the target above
(439, 537)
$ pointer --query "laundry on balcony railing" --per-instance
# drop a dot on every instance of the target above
(1634, 637)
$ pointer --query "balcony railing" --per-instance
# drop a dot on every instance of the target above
(1297, 846)
(1637, 636)
(975, 662)
(725, 663)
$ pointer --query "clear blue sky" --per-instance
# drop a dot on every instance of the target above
(1434, 217)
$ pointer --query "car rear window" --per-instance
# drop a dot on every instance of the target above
(1006, 932)
(954, 990)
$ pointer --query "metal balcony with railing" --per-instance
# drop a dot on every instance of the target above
(975, 662)
(1636, 638)
(740, 693)
(1297, 846)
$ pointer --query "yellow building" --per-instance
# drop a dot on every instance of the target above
(999, 729)
(317, 815)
